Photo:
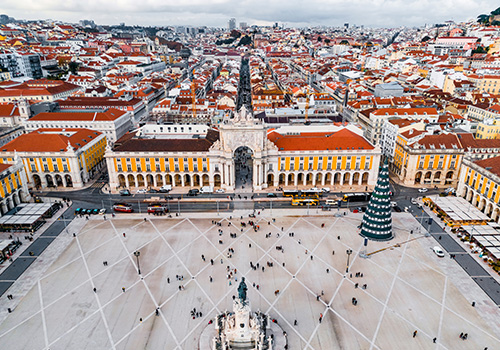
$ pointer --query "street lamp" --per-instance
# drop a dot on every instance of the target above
(348, 252)
(137, 254)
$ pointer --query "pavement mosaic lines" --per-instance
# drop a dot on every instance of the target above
(70, 315)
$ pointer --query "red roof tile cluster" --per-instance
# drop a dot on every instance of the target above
(51, 140)
(490, 164)
(109, 115)
(343, 139)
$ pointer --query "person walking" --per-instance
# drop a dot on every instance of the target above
(123, 289)
(414, 334)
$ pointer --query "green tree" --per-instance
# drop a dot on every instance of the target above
(73, 67)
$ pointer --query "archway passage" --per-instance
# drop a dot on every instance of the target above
(243, 165)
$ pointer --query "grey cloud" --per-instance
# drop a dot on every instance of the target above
(216, 12)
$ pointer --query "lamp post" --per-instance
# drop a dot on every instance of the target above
(348, 252)
(137, 254)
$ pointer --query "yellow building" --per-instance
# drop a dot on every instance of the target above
(436, 159)
(479, 182)
(427, 159)
(58, 157)
(489, 83)
(196, 155)
(13, 185)
(488, 129)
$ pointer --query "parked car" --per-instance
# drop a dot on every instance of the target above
(438, 251)
(102, 211)
(394, 204)
(422, 190)
(163, 190)
(413, 201)
(95, 211)
(325, 190)
(397, 209)
(220, 190)
(78, 211)
(141, 191)
(193, 192)
(152, 190)
(271, 194)
(125, 193)
(315, 189)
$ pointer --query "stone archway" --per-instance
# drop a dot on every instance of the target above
(50, 181)
(281, 179)
(243, 167)
(217, 180)
(121, 181)
(140, 180)
(270, 179)
(205, 180)
(131, 180)
(159, 180)
(418, 177)
(149, 180)
(336, 178)
(59, 181)
(196, 180)
(69, 181)
(364, 178)
(37, 181)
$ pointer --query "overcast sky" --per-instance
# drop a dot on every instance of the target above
(377, 13)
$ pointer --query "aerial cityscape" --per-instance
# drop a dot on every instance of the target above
(266, 176)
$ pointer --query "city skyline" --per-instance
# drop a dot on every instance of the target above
(216, 13)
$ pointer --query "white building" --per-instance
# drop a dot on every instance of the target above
(112, 123)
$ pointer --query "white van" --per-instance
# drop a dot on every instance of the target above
(331, 202)
(166, 187)
(207, 189)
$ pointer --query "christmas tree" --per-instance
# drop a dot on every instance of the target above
(377, 221)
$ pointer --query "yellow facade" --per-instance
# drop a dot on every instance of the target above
(488, 130)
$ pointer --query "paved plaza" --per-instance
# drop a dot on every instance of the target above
(408, 287)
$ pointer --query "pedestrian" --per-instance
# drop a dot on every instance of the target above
(327, 270)
(414, 334)
(465, 336)
(95, 290)
(434, 340)
(333, 252)
(473, 303)
(211, 279)
(168, 279)
(461, 335)
(140, 320)
(123, 289)
(123, 234)
(295, 322)
(312, 257)
(356, 285)
(338, 237)
(157, 312)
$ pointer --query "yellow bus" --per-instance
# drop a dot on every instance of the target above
(305, 201)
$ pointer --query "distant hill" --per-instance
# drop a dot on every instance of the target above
(492, 19)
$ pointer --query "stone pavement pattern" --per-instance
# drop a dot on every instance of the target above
(408, 287)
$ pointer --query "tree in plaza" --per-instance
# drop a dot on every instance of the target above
(377, 220)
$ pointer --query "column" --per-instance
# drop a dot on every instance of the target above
(341, 179)
(295, 179)
(286, 179)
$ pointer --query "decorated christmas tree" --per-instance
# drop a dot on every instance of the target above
(377, 221)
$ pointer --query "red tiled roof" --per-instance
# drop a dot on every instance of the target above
(50, 140)
(343, 139)
(109, 115)
(4, 167)
(490, 164)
